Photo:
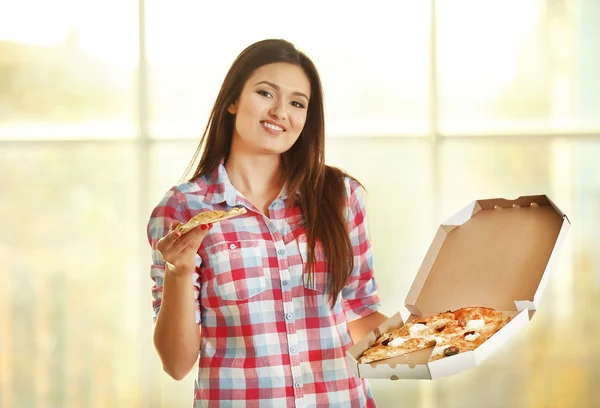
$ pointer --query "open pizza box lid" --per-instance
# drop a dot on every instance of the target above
(494, 253)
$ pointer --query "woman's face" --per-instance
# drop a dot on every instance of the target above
(271, 110)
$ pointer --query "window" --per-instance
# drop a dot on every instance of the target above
(67, 70)
(431, 105)
(373, 66)
(517, 66)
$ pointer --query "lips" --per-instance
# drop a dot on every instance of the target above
(269, 124)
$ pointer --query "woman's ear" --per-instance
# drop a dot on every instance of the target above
(232, 108)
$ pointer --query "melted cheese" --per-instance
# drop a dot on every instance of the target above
(397, 342)
(471, 337)
(416, 329)
(475, 324)
(439, 340)
(438, 351)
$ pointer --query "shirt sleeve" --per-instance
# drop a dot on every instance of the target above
(360, 297)
(168, 209)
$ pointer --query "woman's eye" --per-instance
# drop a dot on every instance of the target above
(297, 105)
(265, 93)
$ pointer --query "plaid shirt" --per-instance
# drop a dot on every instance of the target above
(269, 337)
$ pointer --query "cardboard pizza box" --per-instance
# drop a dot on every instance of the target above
(494, 253)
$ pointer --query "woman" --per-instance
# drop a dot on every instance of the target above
(268, 301)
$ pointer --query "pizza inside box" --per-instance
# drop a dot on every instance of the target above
(494, 253)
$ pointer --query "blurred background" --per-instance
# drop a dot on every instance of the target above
(431, 104)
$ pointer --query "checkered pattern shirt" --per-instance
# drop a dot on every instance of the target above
(268, 335)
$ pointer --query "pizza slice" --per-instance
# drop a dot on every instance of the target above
(461, 343)
(413, 336)
(468, 314)
(208, 217)
(475, 326)
(393, 347)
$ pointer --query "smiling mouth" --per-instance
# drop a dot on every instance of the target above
(272, 126)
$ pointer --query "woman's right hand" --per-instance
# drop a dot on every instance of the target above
(179, 251)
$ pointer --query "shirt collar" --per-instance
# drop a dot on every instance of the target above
(221, 190)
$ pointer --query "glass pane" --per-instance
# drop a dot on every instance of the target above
(547, 354)
(399, 180)
(587, 205)
(552, 361)
(69, 299)
(168, 163)
(396, 174)
(373, 62)
(491, 169)
(67, 69)
(518, 66)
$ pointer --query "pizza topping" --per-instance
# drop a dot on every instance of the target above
(397, 342)
(416, 329)
(450, 351)
(469, 333)
(472, 336)
(438, 351)
(438, 341)
(476, 324)
(440, 327)
(386, 342)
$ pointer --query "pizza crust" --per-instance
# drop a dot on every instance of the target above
(208, 217)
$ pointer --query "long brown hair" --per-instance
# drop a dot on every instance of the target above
(321, 187)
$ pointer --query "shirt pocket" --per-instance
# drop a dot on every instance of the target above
(238, 269)
(319, 281)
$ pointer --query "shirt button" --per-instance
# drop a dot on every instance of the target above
(292, 349)
(232, 246)
(298, 385)
(285, 283)
(289, 316)
(281, 251)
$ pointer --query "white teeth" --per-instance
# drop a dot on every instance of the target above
(270, 126)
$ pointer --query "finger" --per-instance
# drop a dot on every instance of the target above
(194, 238)
(168, 240)
(174, 225)
(176, 241)
(187, 245)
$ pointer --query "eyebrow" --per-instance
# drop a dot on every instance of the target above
(278, 88)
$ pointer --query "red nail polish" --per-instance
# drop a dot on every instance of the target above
(210, 226)
(204, 227)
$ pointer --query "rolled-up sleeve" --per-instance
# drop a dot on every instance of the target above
(360, 295)
(168, 209)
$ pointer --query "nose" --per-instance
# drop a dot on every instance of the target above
(278, 111)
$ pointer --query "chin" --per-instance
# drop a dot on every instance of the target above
(272, 152)
(274, 149)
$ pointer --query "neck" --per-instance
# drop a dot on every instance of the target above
(258, 178)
